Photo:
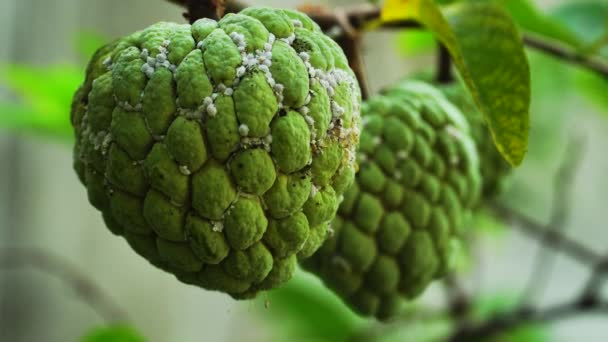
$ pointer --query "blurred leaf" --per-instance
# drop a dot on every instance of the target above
(412, 42)
(530, 18)
(485, 221)
(487, 50)
(588, 19)
(88, 42)
(305, 308)
(487, 306)
(117, 333)
(44, 97)
(595, 88)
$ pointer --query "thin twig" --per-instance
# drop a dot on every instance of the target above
(511, 320)
(566, 53)
(544, 260)
(444, 65)
(85, 288)
(569, 246)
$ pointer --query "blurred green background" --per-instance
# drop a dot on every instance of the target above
(45, 45)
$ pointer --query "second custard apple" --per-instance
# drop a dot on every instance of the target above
(398, 226)
(219, 149)
(493, 167)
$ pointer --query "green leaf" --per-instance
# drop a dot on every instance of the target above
(531, 19)
(594, 87)
(488, 51)
(117, 333)
(305, 308)
(588, 19)
(44, 97)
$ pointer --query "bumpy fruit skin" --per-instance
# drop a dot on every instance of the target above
(219, 149)
(494, 169)
(398, 226)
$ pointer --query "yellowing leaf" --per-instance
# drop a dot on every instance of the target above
(487, 50)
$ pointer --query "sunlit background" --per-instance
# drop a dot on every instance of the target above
(44, 45)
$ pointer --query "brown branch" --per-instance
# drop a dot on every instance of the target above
(196, 9)
(444, 65)
(562, 184)
(567, 54)
(85, 288)
(569, 246)
(517, 318)
(458, 300)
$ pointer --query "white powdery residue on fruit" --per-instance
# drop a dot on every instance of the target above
(304, 56)
(278, 90)
(243, 130)
(240, 71)
(313, 191)
(105, 144)
(268, 139)
(211, 110)
(107, 63)
(184, 170)
(402, 155)
(336, 110)
(228, 91)
(296, 23)
(304, 111)
(289, 40)
(200, 44)
(148, 70)
(217, 226)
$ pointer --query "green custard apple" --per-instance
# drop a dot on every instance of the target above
(494, 169)
(398, 226)
(219, 150)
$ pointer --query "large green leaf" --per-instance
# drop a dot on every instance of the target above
(488, 51)
(531, 19)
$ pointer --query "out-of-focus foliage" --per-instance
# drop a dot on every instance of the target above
(116, 333)
(479, 47)
(43, 94)
(531, 19)
(308, 311)
(589, 19)
(44, 98)
(487, 306)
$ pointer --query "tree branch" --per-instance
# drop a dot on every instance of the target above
(514, 319)
(444, 65)
(562, 184)
(85, 288)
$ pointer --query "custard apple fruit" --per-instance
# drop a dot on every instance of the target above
(398, 226)
(494, 169)
(219, 150)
